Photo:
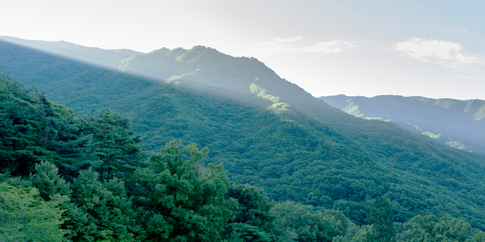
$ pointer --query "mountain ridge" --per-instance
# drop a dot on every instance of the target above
(87, 55)
(456, 122)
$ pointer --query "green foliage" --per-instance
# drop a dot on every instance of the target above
(186, 202)
(115, 144)
(429, 228)
(304, 223)
(24, 216)
(23, 126)
(252, 220)
(356, 234)
(241, 232)
(34, 129)
(253, 206)
(37, 130)
(48, 181)
(382, 221)
(478, 237)
(102, 209)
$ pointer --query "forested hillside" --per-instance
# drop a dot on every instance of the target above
(269, 133)
(95, 187)
(457, 123)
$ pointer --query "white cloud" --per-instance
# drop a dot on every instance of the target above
(296, 45)
(325, 47)
(287, 40)
(445, 53)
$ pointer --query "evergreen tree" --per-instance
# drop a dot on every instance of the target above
(35, 130)
(382, 221)
(116, 146)
(64, 134)
(48, 181)
(20, 142)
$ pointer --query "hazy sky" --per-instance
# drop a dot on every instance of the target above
(427, 48)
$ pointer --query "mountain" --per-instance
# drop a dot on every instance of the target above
(458, 123)
(266, 131)
(91, 55)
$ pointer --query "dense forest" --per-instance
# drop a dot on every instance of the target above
(276, 163)
(76, 177)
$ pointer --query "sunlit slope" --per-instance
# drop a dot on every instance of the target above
(300, 149)
(458, 123)
(240, 79)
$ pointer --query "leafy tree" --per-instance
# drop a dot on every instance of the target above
(254, 207)
(305, 223)
(419, 228)
(102, 209)
(429, 228)
(244, 232)
(478, 237)
(185, 201)
(382, 221)
(356, 234)
(449, 228)
(24, 216)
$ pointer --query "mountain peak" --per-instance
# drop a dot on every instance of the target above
(207, 70)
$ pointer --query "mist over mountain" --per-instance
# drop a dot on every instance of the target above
(458, 123)
(270, 133)
(91, 55)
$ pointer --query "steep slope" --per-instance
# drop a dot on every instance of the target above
(458, 123)
(272, 134)
(208, 71)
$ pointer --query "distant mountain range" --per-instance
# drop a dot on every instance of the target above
(91, 55)
(266, 131)
(458, 123)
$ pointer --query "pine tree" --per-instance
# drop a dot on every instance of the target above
(64, 134)
(48, 181)
(20, 142)
(116, 146)
(34, 130)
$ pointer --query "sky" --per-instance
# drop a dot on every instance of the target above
(430, 48)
